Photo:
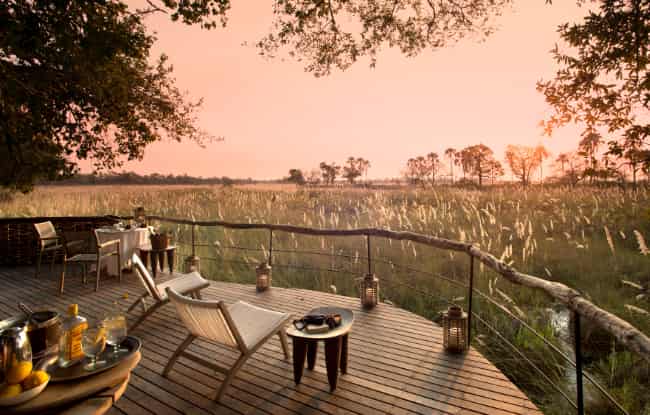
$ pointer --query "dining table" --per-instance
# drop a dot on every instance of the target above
(130, 242)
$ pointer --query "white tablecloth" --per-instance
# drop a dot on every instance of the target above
(130, 241)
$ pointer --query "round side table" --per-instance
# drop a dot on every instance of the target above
(158, 256)
(305, 345)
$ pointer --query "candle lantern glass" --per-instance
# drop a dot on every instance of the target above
(454, 326)
(369, 291)
(263, 281)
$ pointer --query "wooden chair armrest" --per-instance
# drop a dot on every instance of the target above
(49, 238)
(109, 243)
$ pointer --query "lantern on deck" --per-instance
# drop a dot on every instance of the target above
(263, 281)
(369, 291)
(454, 326)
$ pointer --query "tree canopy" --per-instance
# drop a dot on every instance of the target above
(336, 33)
(77, 82)
(604, 79)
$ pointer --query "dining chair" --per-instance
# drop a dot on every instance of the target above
(240, 326)
(187, 284)
(50, 242)
(100, 253)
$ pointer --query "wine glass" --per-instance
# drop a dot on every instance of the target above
(93, 342)
(115, 332)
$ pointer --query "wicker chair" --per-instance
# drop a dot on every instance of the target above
(187, 284)
(99, 255)
(49, 242)
(240, 326)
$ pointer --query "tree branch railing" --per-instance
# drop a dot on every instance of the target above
(623, 331)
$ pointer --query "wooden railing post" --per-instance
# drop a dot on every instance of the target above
(270, 247)
(369, 255)
(193, 244)
(193, 262)
(469, 300)
(577, 345)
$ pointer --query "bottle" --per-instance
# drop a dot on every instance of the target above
(72, 329)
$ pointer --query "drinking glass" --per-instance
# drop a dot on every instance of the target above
(115, 332)
(93, 342)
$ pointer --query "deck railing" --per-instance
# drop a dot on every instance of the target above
(621, 330)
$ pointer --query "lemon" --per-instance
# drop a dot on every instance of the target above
(9, 391)
(36, 378)
(18, 372)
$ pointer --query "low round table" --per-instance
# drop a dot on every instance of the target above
(336, 346)
(158, 256)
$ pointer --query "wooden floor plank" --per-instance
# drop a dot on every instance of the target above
(397, 365)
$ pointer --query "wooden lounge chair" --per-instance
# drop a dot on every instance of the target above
(49, 242)
(191, 284)
(100, 254)
(241, 326)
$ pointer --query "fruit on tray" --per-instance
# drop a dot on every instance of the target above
(19, 372)
(36, 378)
(9, 390)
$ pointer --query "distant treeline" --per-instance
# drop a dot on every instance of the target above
(154, 178)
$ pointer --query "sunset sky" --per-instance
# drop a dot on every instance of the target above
(274, 116)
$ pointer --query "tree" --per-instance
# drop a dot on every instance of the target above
(433, 166)
(495, 170)
(451, 155)
(588, 148)
(603, 83)
(76, 83)
(296, 176)
(522, 160)
(313, 177)
(542, 154)
(355, 167)
(329, 172)
(563, 159)
(477, 160)
(416, 170)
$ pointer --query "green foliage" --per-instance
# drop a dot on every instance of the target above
(296, 176)
(76, 83)
(604, 83)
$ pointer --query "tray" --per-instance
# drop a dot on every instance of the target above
(77, 371)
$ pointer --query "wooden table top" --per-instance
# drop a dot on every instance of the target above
(60, 394)
(347, 318)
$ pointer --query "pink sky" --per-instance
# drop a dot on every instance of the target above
(274, 116)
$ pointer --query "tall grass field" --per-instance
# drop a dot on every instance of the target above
(592, 239)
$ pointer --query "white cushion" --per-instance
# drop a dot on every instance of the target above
(254, 323)
(182, 283)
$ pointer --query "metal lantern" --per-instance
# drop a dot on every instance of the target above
(192, 263)
(263, 272)
(454, 326)
(369, 291)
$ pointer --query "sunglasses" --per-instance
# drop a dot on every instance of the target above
(332, 320)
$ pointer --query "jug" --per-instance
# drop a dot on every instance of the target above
(15, 354)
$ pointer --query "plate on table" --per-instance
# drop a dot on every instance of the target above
(77, 371)
(23, 397)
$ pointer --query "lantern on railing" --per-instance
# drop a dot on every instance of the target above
(263, 281)
(369, 291)
(454, 326)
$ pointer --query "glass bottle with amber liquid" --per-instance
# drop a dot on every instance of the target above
(72, 329)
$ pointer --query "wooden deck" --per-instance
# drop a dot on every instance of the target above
(396, 362)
